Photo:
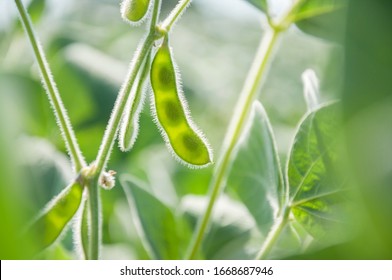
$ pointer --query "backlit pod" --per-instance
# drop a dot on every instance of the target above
(130, 120)
(170, 107)
(134, 10)
(51, 223)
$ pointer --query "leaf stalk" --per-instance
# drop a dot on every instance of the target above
(60, 112)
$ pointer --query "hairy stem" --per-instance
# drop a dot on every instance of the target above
(94, 220)
(52, 91)
(111, 133)
(168, 23)
(248, 95)
(240, 116)
(115, 118)
(273, 235)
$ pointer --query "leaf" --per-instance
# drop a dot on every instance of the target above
(51, 223)
(316, 189)
(156, 223)
(293, 240)
(36, 9)
(260, 4)
(230, 230)
(56, 252)
(322, 18)
(47, 169)
(256, 176)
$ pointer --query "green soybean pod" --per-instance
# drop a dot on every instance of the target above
(171, 111)
(130, 120)
(134, 11)
(57, 214)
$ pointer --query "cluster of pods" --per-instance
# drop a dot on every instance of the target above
(169, 107)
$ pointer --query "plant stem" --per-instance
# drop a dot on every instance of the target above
(168, 23)
(115, 118)
(94, 220)
(52, 91)
(248, 95)
(274, 234)
(111, 133)
(240, 116)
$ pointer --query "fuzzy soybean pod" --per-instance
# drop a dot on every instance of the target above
(130, 120)
(172, 116)
(134, 10)
(51, 223)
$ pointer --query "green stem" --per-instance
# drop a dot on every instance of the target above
(115, 118)
(52, 91)
(128, 130)
(168, 23)
(248, 95)
(274, 234)
(111, 133)
(94, 220)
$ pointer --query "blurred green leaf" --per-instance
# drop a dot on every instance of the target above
(32, 107)
(260, 4)
(15, 204)
(51, 223)
(230, 230)
(317, 192)
(256, 176)
(156, 223)
(322, 18)
(36, 9)
(56, 252)
(367, 103)
(74, 89)
(293, 240)
(47, 169)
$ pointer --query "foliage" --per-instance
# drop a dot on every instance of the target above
(283, 184)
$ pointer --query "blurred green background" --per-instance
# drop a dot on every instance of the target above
(89, 48)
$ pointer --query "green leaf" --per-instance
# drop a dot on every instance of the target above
(47, 169)
(36, 9)
(317, 192)
(256, 176)
(160, 230)
(56, 252)
(51, 223)
(230, 230)
(322, 18)
(260, 4)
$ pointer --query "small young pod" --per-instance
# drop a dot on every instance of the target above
(134, 10)
(130, 120)
(170, 109)
(51, 223)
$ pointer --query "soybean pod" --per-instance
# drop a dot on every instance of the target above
(134, 11)
(130, 120)
(51, 223)
(170, 108)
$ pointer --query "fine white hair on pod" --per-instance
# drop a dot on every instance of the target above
(177, 98)
(135, 12)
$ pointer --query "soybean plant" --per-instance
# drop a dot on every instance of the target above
(170, 109)
(280, 200)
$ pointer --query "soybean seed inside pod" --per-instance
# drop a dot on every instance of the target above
(177, 128)
(134, 10)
